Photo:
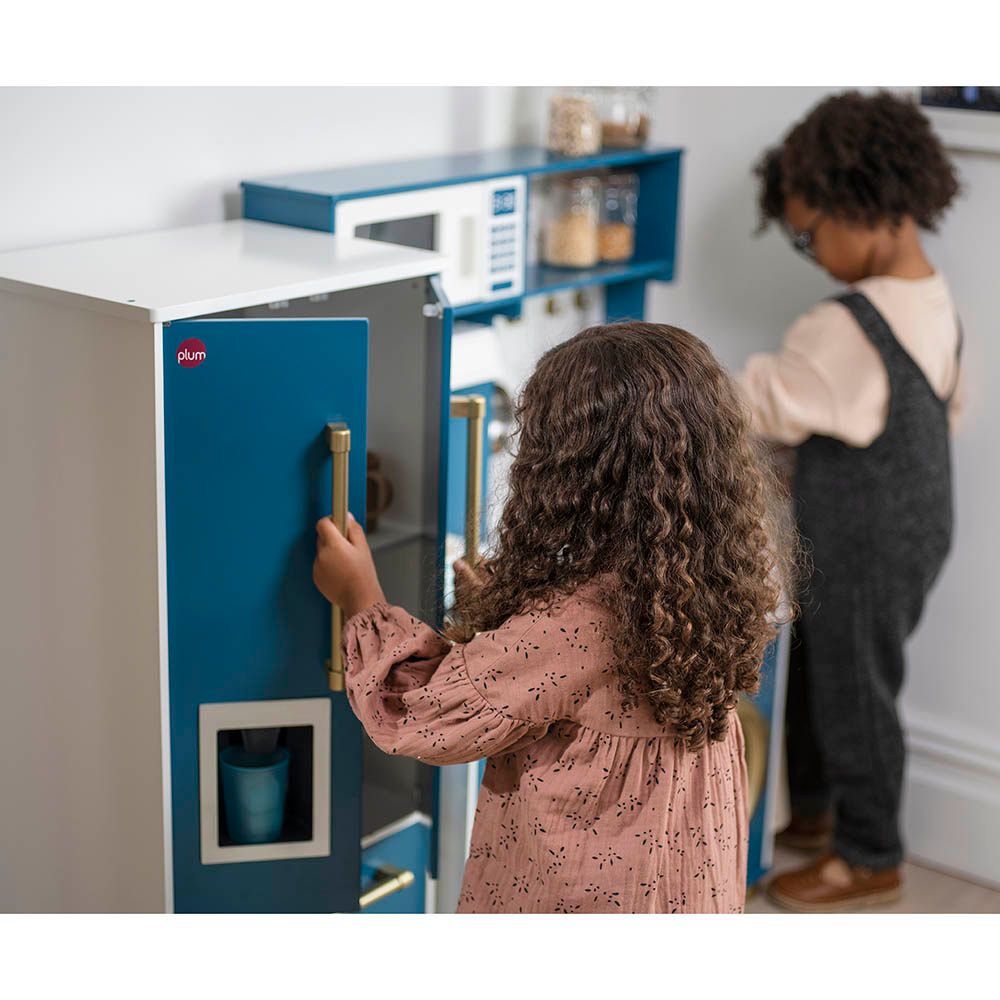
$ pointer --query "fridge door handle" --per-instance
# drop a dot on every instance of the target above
(338, 437)
(390, 880)
(473, 409)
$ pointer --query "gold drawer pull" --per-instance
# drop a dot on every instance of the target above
(390, 880)
(338, 437)
(473, 409)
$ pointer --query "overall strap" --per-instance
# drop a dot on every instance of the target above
(899, 363)
(873, 323)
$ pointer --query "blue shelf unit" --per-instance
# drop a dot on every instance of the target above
(310, 199)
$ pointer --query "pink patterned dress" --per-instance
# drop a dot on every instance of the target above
(584, 808)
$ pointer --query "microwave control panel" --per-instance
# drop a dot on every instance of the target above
(505, 234)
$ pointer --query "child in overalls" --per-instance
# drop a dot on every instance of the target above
(862, 387)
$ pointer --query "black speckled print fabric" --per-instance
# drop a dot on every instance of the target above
(583, 808)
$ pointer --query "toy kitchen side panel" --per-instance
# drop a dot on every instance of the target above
(81, 824)
(248, 473)
(763, 718)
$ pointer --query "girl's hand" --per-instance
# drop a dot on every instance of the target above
(344, 571)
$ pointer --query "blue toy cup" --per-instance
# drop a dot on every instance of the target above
(254, 787)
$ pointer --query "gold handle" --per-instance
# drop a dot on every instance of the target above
(473, 409)
(338, 437)
(755, 741)
(390, 880)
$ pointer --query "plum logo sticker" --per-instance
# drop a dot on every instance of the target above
(191, 353)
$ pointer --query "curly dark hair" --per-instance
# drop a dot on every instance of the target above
(636, 469)
(864, 159)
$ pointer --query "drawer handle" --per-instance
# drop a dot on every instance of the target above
(389, 880)
(472, 409)
(338, 437)
(755, 737)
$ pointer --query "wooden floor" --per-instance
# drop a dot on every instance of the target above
(924, 890)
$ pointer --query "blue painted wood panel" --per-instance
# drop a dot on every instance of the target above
(372, 179)
(770, 702)
(406, 849)
(625, 301)
(247, 476)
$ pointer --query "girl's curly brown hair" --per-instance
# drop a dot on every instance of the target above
(636, 469)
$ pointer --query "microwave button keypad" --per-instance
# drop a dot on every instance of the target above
(504, 233)
(503, 247)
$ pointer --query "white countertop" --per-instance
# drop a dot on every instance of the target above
(190, 271)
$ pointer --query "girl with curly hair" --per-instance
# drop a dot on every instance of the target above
(863, 387)
(596, 657)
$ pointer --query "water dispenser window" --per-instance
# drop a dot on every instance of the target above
(264, 780)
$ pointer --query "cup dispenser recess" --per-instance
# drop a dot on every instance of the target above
(264, 780)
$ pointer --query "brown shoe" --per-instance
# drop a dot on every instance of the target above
(806, 833)
(830, 885)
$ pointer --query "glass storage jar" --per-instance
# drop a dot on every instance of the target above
(624, 117)
(572, 224)
(574, 124)
(619, 201)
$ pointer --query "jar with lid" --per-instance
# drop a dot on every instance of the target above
(624, 117)
(619, 201)
(574, 123)
(571, 231)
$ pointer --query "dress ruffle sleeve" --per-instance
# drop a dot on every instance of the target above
(415, 694)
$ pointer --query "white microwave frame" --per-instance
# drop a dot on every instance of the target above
(463, 219)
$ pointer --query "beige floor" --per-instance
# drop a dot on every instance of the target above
(925, 891)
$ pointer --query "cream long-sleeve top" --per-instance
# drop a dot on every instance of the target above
(827, 378)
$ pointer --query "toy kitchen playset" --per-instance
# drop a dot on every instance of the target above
(181, 406)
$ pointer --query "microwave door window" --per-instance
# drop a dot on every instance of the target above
(419, 232)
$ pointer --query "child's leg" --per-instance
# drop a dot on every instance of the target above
(808, 788)
(855, 638)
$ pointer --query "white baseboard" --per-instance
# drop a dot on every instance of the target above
(951, 806)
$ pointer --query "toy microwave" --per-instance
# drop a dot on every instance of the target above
(478, 226)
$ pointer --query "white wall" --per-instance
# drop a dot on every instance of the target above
(952, 701)
(81, 163)
(739, 292)
(735, 290)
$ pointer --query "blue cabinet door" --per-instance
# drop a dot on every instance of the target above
(247, 475)
(405, 849)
